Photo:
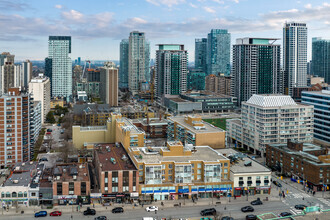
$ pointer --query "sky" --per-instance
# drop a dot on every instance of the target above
(97, 26)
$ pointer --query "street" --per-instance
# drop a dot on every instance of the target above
(183, 212)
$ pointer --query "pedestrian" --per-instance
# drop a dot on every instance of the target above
(313, 193)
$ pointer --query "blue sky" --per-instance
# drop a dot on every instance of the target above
(98, 26)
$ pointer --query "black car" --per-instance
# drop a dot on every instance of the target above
(251, 217)
(277, 183)
(247, 209)
(256, 202)
(89, 211)
(284, 214)
(207, 212)
(300, 207)
(101, 218)
(117, 210)
(227, 218)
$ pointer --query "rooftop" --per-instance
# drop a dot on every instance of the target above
(271, 100)
(71, 172)
(242, 160)
(113, 157)
(208, 128)
(24, 173)
(152, 121)
(202, 153)
(323, 92)
(128, 125)
(91, 107)
(204, 95)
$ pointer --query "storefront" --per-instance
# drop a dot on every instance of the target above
(263, 190)
(85, 200)
(238, 191)
(66, 200)
(115, 198)
(96, 197)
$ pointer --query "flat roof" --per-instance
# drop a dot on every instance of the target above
(68, 170)
(152, 121)
(209, 128)
(128, 124)
(107, 151)
(239, 167)
(203, 95)
(23, 174)
(202, 153)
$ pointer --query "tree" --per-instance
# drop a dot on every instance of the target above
(50, 117)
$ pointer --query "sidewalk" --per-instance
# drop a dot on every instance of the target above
(166, 205)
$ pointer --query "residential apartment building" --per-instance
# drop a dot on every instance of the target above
(15, 133)
(219, 84)
(59, 48)
(320, 100)
(256, 67)
(297, 91)
(181, 172)
(193, 130)
(71, 184)
(26, 73)
(294, 56)
(321, 58)
(271, 119)
(117, 175)
(36, 123)
(138, 61)
(123, 66)
(200, 54)
(109, 84)
(7, 72)
(218, 52)
(171, 70)
(153, 127)
(306, 162)
(249, 176)
(39, 87)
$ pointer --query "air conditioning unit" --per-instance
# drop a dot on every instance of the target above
(74, 177)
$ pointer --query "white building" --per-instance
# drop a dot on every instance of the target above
(35, 125)
(59, 48)
(249, 176)
(40, 89)
(271, 119)
(294, 56)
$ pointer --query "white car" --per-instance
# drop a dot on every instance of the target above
(152, 208)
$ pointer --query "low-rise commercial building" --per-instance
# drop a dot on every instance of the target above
(181, 172)
(22, 186)
(118, 129)
(193, 130)
(268, 119)
(117, 175)
(306, 162)
(195, 102)
(249, 176)
(71, 184)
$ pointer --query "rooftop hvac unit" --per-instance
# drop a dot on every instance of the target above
(58, 177)
(74, 177)
(15, 181)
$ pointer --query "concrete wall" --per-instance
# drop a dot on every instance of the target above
(214, 140)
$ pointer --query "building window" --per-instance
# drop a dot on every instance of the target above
(59, 188)
(7, 194)
(106, 189)
(71, 188)
(14, 194)
(225, 176)
(83, 188)
(170, 166)
(199, 165)
(25, 194)
(115, 189)
(226, 164)
(241, 178)
(33, 194)
(225, 170)
(2, 195)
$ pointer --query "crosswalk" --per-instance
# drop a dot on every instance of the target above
(295, 211)
(324, 201)
(299, 195)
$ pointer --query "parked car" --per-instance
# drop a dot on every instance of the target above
(49, 130)
(300, 206)
(277, 183)
(101, 218)
(40, 214)
(152, 209)
(251, 217)
(227, 218)
(256, 202)
(206, 212)
(247, 209)
(117, 210)
(55, 213)
(89, 211)
(284, 214)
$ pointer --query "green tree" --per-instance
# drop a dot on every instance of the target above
(50, 117)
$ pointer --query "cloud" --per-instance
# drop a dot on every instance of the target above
(73, 15)
(13, 5)
(192, 5)
(308, 6)
(209, 9)
(219, 1)
(168, 3)
(236, 1)
(59, 6)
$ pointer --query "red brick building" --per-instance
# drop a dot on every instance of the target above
(301, 161)
(117, 175)
(154, 127)
(71, 184)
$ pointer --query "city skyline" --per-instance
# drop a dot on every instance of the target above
(98, 29)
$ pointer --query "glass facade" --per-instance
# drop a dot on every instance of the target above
(123, 69)
(183, 173)
(153, 174)
(212, 173)
(200, 54)
(321, 58)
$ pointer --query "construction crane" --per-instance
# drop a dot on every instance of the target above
(83, 73)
